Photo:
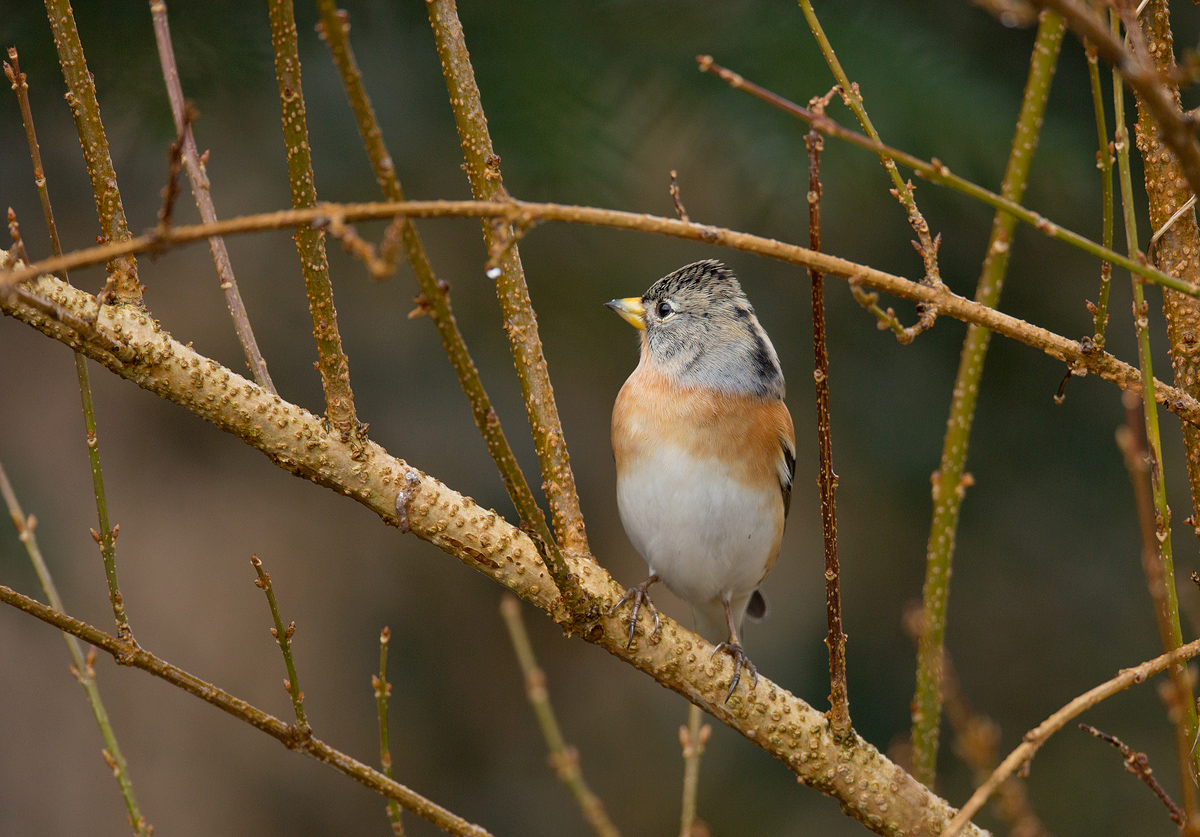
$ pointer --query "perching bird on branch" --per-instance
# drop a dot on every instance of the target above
(705, 451)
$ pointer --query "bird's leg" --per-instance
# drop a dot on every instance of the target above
(639, 595)
(739, 656)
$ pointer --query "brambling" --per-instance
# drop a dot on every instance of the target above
(705, 451)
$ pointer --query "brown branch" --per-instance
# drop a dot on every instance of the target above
(1137, 764)
(302, 443)
(131, 655)
(673, 189)
(1038, 736)
(935, 171)
(835, 641)
(482, 165)
(20, 86)
(331, 359)
(202, 193)
(1081, 357)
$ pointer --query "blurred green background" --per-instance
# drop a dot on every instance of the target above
(588, 103)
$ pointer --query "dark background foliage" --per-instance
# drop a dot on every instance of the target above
(588, 103)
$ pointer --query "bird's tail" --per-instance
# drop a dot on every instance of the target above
(710, 616)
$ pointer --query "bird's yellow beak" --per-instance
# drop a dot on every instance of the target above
(631, 311)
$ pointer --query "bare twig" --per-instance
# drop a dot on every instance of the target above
(20, 85)
(675, 199)
(1079, 356)
(482, 165)
(201, 191)
(434, 298)
(131, 655)
(564, 758)
(283, 636)
(1137, 764)
(950, 480)
(1037, 736)
(926, 244)
(835, 641)
(935, 171)
(331, 359)
(82, 324)
(81, 96)
(82, 667)
(170, 192)
(383, 691)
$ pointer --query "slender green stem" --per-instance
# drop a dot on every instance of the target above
(82, 667)
(951, 478)
(1173, 635)
(693, 738)
(107, 534)
(563, 757)
(904, 191)
(435, 294)
(1138, 68)
(1104, 158)
(383, 691)
(935, 171)
(483, 170)
(81, 96)
(284, 637)
(331, 360)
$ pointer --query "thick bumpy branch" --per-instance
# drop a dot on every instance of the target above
(868, 785)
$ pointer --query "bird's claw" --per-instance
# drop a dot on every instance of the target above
(639, 595)
(739, 660)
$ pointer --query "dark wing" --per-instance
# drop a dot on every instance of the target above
(787, 473)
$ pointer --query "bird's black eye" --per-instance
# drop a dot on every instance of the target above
(665, 310)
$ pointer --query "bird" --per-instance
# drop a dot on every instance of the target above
(705, 452)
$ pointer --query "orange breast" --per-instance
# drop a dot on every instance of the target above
(742, 431)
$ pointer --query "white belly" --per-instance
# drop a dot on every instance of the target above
(708, 537)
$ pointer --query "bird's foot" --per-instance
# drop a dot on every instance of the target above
(639, 594)
(739, 661)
